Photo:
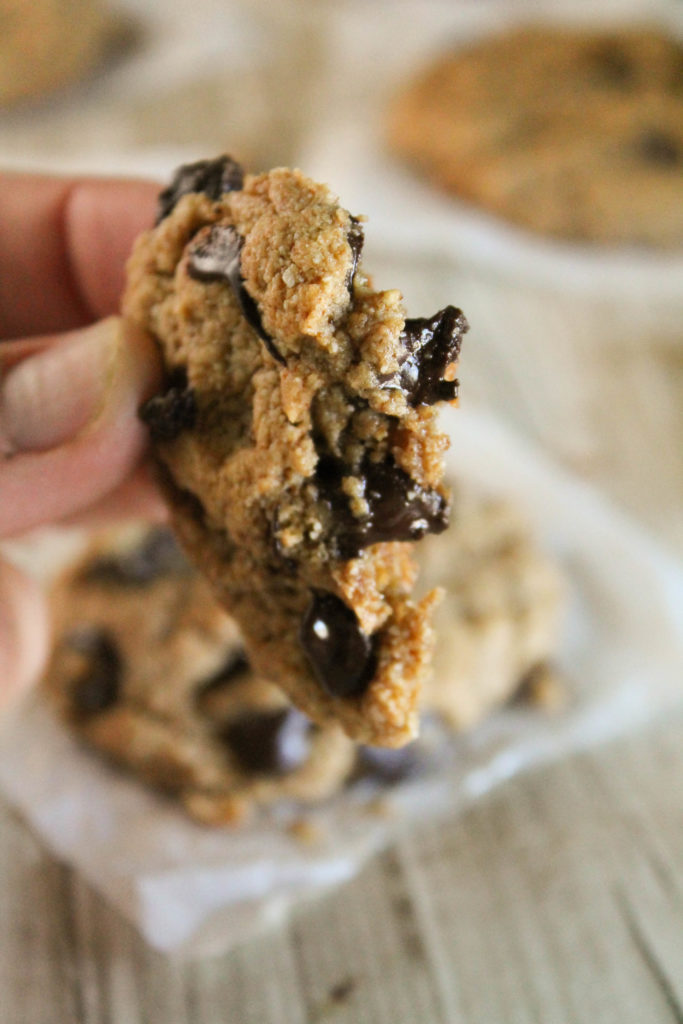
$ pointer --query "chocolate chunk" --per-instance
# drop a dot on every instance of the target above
(213, 177)
(675, 82)
(431, 345)
(611, 66)
(340, 654)
(388, 765)
(269, 743)
(169, 414)
(216, 257)
(399, 508)
(356, 239)
(158, 555)
(234, 668)
(97, 688)
(656, 147)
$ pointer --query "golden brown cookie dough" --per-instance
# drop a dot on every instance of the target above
(570, 132)
(297, 435)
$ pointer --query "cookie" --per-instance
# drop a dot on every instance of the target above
(297, 435)
(148, 669)
(499, 623)
(45, 44)
(574, 133)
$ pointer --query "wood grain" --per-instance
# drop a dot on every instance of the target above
(557, 899)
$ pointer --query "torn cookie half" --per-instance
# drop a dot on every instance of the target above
(297, 436)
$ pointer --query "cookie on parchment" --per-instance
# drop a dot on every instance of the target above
(147, 668)
(571, 132)
(499, 623)
(297, 435)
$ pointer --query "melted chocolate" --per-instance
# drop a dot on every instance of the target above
(169, 414)
(158, 555)
(399, 508)
(430, 345)
(340, 654)
(213, 177)
(217, 258)
(269, 743)
(656, 147)
(97, 688)
(356, 239)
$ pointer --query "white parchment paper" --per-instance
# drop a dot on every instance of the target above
(199, 890)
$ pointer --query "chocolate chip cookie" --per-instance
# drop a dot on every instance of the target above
(570, 132)
(149, 669)
(499, 623)
(297, 435)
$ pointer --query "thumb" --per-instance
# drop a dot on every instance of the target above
(69, 431)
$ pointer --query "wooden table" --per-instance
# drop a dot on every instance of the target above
(556, 900)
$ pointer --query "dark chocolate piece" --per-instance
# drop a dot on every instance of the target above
(216, 257)
(675, 82)
(431, 345)
(158, 555)
(213, 177)
(97, 688)
(233, 669)
(399, 508)
(387, 765)
(169, 414)
(356, 240)
(340, 654)
(610, 66)
(656, 147)
(269, 743)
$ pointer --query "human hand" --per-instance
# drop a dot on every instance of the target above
(72, 377)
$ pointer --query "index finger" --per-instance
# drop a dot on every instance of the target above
(63, 247)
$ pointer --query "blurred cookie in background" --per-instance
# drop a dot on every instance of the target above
(151, 671)
(498, 626)
(46, 44)
(574, 133)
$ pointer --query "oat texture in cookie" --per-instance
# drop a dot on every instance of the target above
(573, 132)
(297, 436)
(150, 670)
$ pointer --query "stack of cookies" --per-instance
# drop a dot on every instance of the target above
(148, 669)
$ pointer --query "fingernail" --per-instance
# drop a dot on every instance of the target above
(50, 397)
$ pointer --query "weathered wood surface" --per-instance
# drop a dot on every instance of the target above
(558, 899)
